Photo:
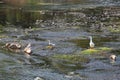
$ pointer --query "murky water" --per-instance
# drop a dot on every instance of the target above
(67, 24)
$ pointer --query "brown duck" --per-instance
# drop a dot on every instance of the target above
(13, 45)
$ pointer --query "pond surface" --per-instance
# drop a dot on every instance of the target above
(67, 24)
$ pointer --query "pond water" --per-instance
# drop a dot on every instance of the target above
(67, 24)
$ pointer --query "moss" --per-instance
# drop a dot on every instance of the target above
(73, 58)
(78, 57)
(96, 50)
(105, 48)
(68, 62)
(90, 51)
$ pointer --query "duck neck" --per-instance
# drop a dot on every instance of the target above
(90, 39)
(49, 42)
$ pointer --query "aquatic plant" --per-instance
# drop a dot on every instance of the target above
(96, 50)
(73, 58)
(89, 51)
(68, 62)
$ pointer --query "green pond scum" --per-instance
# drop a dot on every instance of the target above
(96, 50)
(73, 58)
(79, 57)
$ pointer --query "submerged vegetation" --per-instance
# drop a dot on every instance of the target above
(80, 57)
(65, 63)
(96, 50)
(73, 58)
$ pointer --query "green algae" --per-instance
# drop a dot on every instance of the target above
(73, 58)
(89, 51)
(96, 50)
(68, 62)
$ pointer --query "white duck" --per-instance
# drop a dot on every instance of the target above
(92, 45)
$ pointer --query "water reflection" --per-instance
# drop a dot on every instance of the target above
(18, 17)
(15, 2)
(68, 13)
(93, 18)
(23, 2)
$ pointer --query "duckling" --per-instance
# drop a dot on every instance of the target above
(50, 45)
(92, 45)
(112, 58)
(28, 49)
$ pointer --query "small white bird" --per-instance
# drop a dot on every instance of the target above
(50, 44)
(92, 45)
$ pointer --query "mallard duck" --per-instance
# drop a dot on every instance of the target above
(50, 45)
(92, 45)
(13, 45)
(112, 58)
(28, 49)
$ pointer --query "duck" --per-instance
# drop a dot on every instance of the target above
(50, 45)
(112, 58)
(13, 45)
(27, 49)
(38, 78)
(91, 43)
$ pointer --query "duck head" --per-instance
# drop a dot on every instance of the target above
(112, 58)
